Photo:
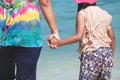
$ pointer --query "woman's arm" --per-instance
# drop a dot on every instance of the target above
(48, 13)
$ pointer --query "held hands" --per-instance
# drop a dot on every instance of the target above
(53, 41)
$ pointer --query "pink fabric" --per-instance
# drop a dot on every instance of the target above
(85, 1)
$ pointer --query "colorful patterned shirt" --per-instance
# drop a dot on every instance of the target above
(20, 23)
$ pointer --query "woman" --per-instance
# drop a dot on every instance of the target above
(21, 38)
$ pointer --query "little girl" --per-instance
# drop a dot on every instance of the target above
(97, 42)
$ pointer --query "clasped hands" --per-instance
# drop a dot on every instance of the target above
(53, 41)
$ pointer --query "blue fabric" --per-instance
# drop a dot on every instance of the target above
(7, 63)
(25, 59)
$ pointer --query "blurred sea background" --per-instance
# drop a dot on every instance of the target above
(63, 63)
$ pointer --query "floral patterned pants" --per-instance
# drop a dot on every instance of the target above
(96, 65)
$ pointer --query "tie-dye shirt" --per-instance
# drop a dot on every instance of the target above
(20, 23)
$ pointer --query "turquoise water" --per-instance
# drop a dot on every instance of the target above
(63, 63)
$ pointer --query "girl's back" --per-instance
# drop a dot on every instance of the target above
(96, 23)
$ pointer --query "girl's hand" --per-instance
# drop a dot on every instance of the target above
(55, 42)
(51, 39)
(113, 62)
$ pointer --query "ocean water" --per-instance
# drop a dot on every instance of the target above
(63, 63)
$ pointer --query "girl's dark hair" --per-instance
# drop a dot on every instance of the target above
(79, 7)
(84, 5)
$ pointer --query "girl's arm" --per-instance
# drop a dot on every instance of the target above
(112, 37)
(80, 28)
